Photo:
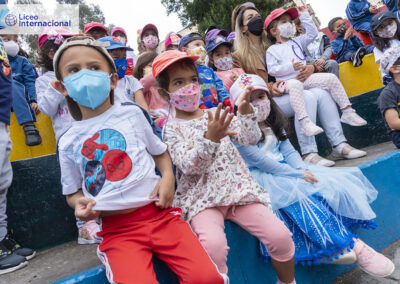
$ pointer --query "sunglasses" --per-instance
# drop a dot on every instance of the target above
(243, 7)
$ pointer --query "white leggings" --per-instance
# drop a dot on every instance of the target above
(325, 81)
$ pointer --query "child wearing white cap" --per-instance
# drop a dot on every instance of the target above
(319, 205)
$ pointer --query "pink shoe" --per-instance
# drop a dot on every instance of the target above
(88, 233)
(372, 262)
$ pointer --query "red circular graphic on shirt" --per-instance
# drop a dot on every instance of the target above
(117, 165)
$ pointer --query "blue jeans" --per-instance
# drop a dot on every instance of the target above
(348, 54)
(21, 107)
(317, 100)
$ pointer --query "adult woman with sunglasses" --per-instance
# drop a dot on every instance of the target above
(251, 43)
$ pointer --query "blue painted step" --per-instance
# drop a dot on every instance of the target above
(243, 259)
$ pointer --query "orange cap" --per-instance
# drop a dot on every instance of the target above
(167, 58)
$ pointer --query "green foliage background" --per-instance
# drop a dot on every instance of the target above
(204, 13)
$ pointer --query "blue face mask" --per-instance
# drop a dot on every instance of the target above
(88, 88)
(122, 66)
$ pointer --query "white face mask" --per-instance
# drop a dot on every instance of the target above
(389, 31)
(122, 39)
(11, 47)
(286, 30)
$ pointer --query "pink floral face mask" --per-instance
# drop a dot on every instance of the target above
(150, 41)
(264, 108)
(186, 98)
(224, 63)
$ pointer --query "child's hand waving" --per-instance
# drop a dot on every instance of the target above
(165, 190)
(218, 126)
(244, 102)
(83, 209)
(302, 10)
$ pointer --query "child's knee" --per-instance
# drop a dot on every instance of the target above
(281, 245)
(216, 247)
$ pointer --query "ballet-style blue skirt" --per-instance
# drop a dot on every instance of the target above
(320, 216)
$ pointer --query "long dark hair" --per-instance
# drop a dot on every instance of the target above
(384, 43)
(278, 121)
(43, 59)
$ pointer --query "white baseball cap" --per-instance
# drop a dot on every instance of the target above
(244, 81)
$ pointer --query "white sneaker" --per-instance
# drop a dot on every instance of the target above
(344, 150)
(346, 258)
(309, 128)
(352, 118)
(315, 159)
(372, 262)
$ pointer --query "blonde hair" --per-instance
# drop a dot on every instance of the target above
(249, 53)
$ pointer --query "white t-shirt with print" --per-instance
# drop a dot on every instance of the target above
(126, 89)
(110, 157)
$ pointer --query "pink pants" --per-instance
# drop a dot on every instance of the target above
(255, 218)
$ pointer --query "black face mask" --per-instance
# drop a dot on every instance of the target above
(342, 30)
(256, 26)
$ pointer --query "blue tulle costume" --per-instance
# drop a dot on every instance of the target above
(320, 216)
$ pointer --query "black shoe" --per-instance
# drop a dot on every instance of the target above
(358, 56)
(10, 261)
(14, 247)
(32, 136)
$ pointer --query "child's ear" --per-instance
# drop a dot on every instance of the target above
(184, 49)
(59, 86)
(163, 94)
(114, 80)
(394, 70)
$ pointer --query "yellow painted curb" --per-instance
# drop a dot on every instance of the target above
(20, 150)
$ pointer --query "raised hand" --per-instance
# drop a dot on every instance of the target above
(243, 101)
(302, 10)
(218, 126)
(83, 209)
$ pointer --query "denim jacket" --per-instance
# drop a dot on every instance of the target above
(24, 73)
(340, 46)
(357, 12)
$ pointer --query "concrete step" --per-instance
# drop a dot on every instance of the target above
(373, 152)
(54, 264)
